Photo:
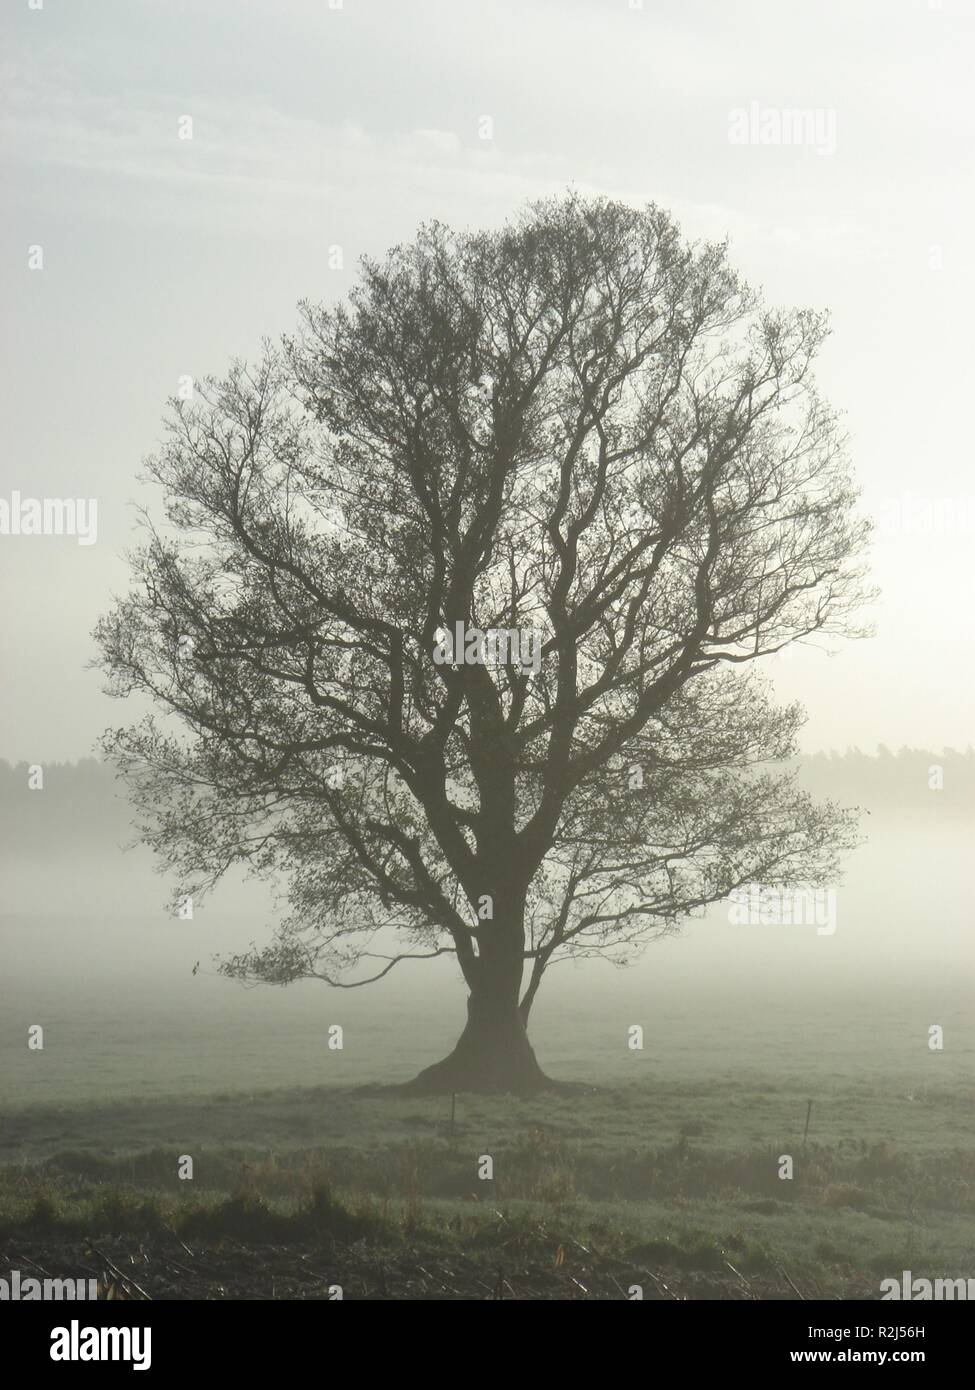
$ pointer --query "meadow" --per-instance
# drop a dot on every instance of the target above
(662, 1173)
(658, 1169)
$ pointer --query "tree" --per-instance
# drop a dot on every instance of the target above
(579, 429)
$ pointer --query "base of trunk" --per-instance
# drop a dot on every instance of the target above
(492, 1054)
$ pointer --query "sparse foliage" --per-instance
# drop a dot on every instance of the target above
(581, 425)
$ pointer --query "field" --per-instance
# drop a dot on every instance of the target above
(670, 1185)
(657, 1169)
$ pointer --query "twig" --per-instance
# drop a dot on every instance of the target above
(661, 1285)
(790, 1283)
(114, 1269)
(738, 1275)
(180, 1242)
(432, 1277)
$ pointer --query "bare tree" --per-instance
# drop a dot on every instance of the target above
(578, 427)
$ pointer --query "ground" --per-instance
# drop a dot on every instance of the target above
(672, 1190)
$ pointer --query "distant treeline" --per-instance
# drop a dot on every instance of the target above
(82, 805)
(910, 782)
(79, 806)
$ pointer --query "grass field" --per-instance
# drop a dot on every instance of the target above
(658, 1169)
(672, 1187)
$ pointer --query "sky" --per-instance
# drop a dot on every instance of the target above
(317, 126)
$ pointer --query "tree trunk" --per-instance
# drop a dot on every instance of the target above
(492, 1054)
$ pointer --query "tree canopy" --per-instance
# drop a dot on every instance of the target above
(578, 426)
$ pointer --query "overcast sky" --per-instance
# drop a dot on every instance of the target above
(315, 127)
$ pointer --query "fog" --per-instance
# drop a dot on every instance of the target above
(555, 402)
(90, 950)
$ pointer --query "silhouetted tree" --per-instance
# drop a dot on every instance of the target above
(578, 425)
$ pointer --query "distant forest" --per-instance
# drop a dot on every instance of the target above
(82, 804)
